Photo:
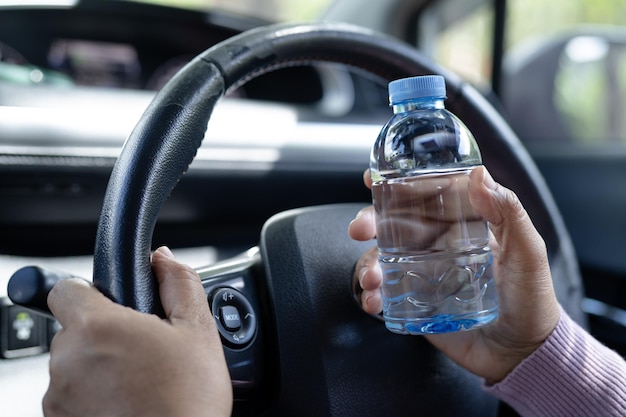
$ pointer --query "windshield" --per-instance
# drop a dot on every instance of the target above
(271, 10)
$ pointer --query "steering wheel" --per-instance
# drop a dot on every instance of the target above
(310, 351)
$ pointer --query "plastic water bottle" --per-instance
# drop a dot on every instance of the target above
(433, 246)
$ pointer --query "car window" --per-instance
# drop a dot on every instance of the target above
(459, 35)
(593, 66)
(556, 53)
(580, 48)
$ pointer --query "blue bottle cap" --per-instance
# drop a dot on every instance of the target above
(417, 87)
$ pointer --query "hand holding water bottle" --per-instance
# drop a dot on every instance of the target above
(528, 308)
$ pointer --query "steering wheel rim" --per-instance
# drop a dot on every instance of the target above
(161, 147)
(164, 142)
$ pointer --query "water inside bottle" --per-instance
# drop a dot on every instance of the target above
(434, 254)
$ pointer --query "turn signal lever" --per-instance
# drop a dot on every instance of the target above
(30, 285)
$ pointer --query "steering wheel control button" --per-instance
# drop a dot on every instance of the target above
(229, 316)
(235, 318)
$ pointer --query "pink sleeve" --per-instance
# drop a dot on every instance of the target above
(571, 374)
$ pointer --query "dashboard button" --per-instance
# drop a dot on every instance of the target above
(22, 332)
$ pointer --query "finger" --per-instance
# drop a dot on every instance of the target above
(369, 274)
(181, 291)
(71, 298)
(369, 277)
(363, 227)
(371, 302)
(367, 179)
(367, 269)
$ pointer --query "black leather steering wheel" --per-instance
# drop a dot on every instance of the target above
(330, 358)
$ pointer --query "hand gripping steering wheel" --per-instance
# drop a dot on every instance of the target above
(311, 351)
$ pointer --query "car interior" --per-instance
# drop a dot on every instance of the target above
(240, 141)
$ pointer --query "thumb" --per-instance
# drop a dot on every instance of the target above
(509, 221)
(522, 267)
(181, 291)
(71, 298)
(493, 201)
